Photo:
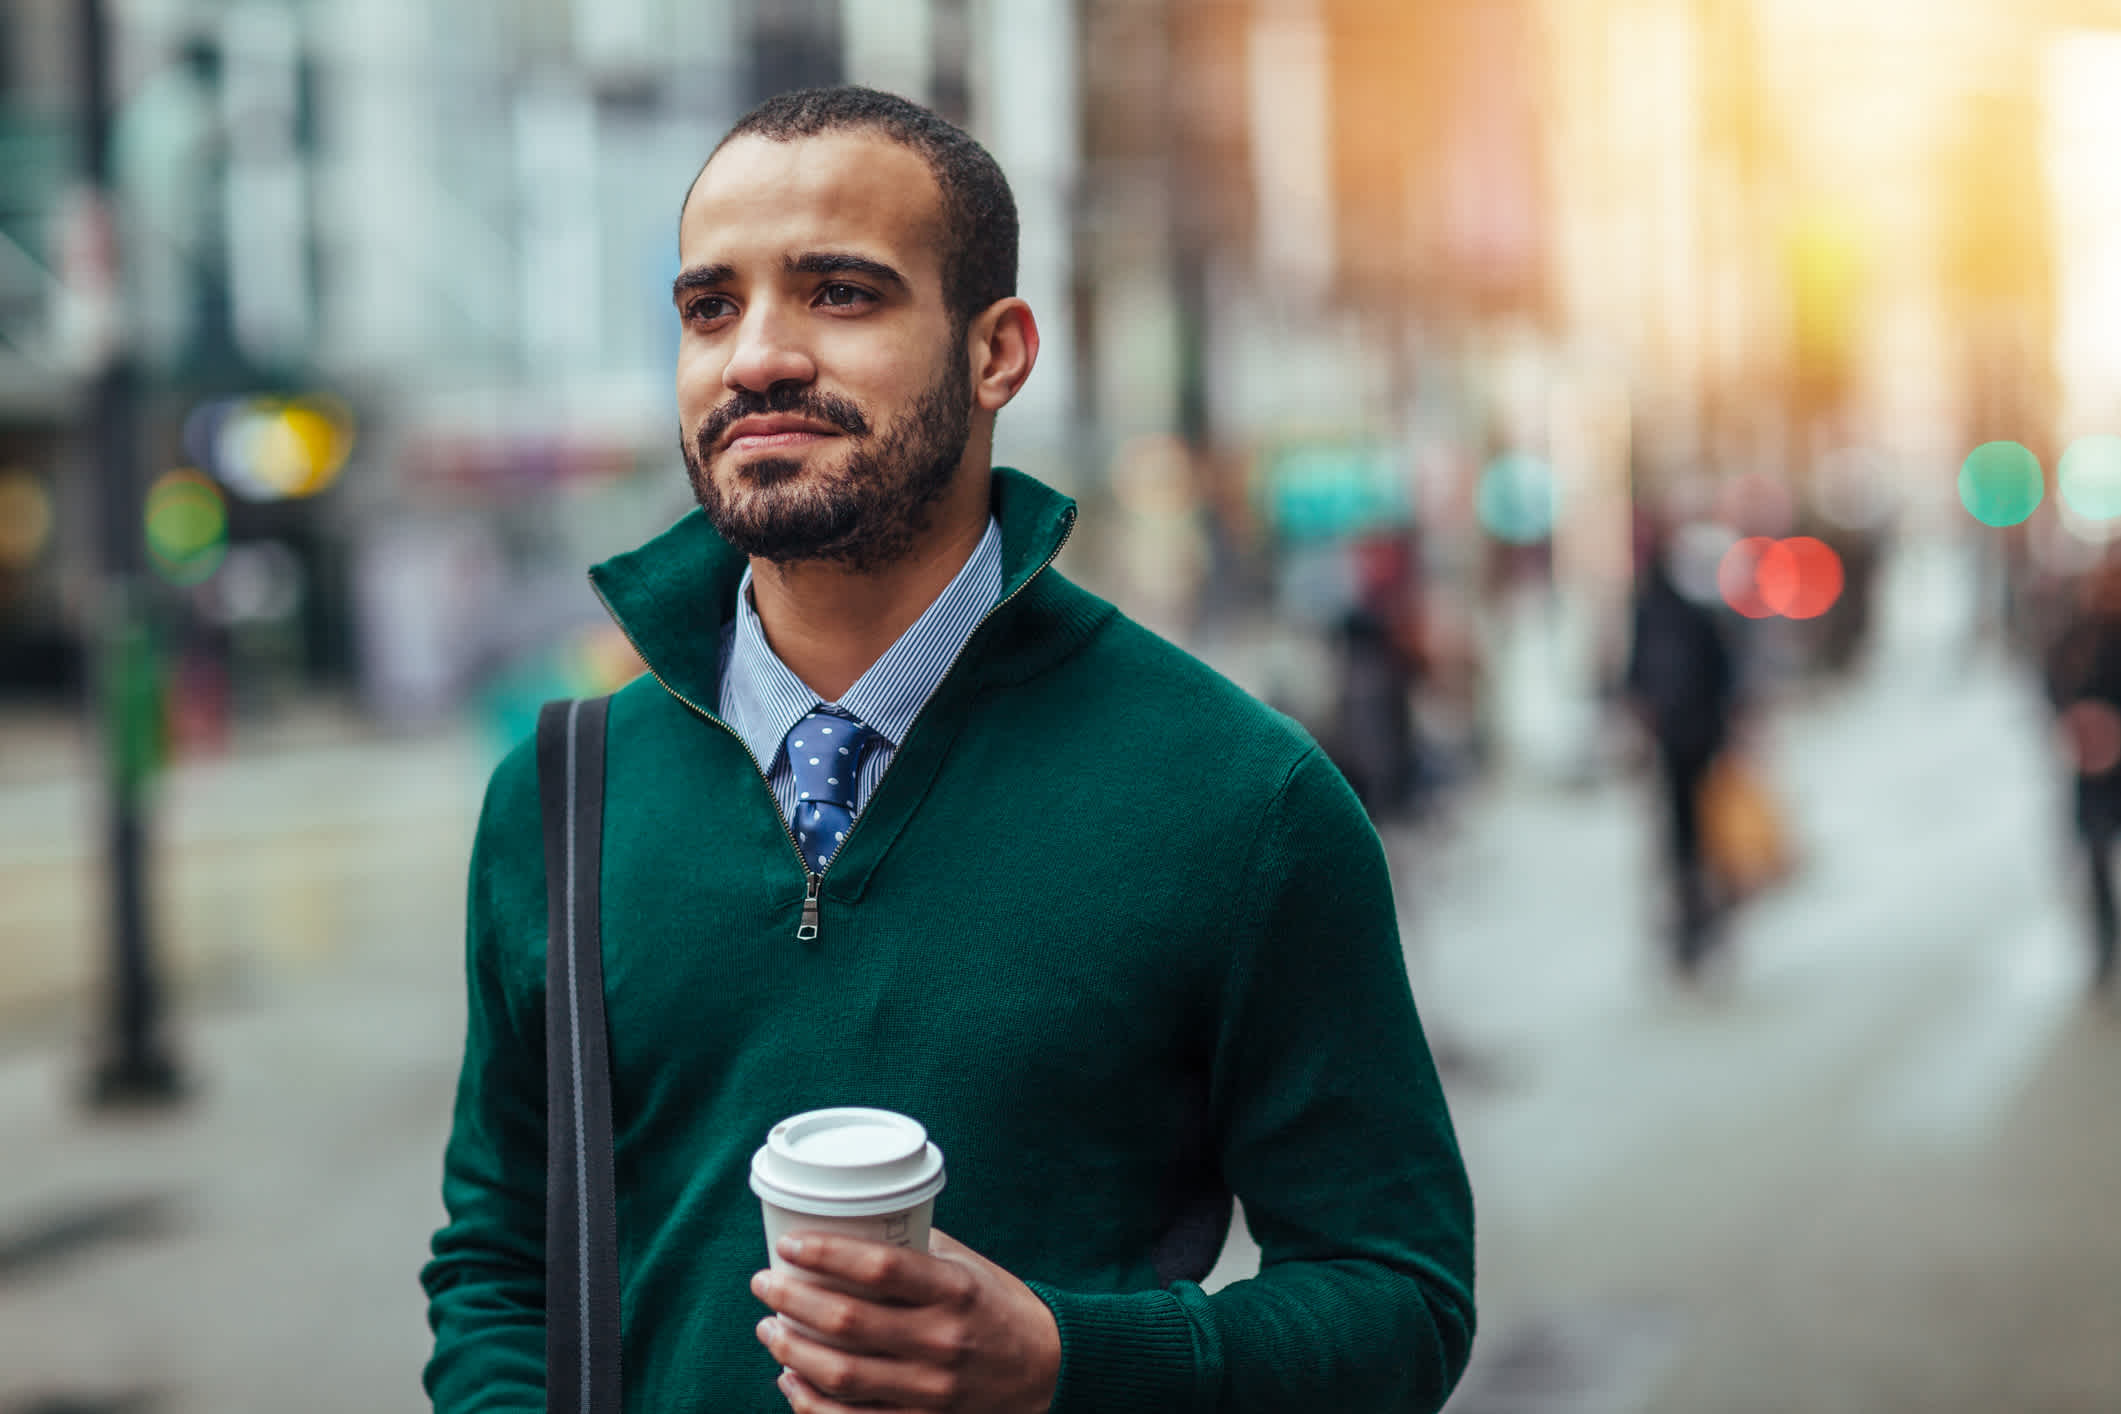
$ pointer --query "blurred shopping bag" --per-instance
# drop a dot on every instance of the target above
(1745, 840)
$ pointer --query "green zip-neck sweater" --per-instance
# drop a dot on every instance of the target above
(1117, 934)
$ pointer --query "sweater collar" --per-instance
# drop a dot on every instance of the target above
(673, 595)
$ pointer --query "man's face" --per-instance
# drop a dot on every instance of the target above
(824, 395)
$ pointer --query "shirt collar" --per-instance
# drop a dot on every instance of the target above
(761, 699)
(675, 596)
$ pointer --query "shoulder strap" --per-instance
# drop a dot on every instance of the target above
(581, 1204)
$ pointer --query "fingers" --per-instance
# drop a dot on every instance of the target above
(861, 1323)
(931, 1335)
(823, 1379)
(880, 1271)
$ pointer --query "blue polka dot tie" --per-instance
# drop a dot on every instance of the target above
(825, 753)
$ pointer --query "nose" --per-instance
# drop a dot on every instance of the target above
(767, 352)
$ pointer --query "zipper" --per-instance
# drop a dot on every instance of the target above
(807, 930)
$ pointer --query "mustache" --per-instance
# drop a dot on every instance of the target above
(787, 400)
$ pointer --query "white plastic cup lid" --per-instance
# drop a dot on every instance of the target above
(847, 1162)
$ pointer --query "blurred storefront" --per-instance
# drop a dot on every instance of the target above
(38, 653)
(396, 276)
(1480, 283)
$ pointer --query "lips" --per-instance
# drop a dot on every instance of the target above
(768, 433)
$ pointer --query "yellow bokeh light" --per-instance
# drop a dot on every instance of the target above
(270, 449)
(25, 518)
(324, 445)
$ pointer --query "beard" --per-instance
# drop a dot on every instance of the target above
(866, 513)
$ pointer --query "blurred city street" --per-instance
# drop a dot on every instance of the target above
(1866, 1166)
(1665, 451)
(1870, 1167)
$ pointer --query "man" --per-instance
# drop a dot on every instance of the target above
(1683, 685)
(2083, 678)
(1119, 937)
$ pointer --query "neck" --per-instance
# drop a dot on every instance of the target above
(830, 624)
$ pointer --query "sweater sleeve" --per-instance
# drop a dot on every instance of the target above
(1333, 1132)
(486, 1281)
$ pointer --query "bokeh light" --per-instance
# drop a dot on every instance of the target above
(2000, 483)
(1311, 489)
(1515, 500)
(25, 518)
(270, 449)
(187, 526)
(1799, 578)
(1738, 577)
(2089, 477)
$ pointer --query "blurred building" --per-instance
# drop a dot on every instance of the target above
(448, 229)
(1452, 286)
(37, 393)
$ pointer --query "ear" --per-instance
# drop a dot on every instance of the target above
(1003, 344)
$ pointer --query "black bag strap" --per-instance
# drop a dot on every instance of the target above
(581, 1200)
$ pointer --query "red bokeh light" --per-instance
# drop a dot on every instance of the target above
(1798, 578)
(1738, 576)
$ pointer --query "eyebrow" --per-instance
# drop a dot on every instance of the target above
(826, 262)
(700, 277)
(816, 262)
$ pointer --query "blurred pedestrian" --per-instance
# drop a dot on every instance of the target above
(1117, 934)
(1372, 738)
(1845, 628)
(1380, 663)
(2084, 684)
(1683, 686)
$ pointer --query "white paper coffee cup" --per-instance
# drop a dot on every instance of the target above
(860, 1172)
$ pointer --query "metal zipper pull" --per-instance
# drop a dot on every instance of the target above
(808, 929)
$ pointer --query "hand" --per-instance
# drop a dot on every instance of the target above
(945, 1329)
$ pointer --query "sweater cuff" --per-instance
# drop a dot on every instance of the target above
(1123, 1352)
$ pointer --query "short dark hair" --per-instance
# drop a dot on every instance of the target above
(979, 213)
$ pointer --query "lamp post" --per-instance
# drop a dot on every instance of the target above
(132, 1066)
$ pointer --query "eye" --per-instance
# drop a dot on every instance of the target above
(708, 307)
(839, 295)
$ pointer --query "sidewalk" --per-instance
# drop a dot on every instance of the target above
(260, 853)
(257, 1248)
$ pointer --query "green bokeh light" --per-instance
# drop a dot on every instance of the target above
(187, 526)
(2090, 477)
(2000, 483)
(1515, 499)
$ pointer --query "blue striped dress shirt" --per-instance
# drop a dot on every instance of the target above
(761, 699)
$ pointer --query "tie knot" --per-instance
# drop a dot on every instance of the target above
(825, 755)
